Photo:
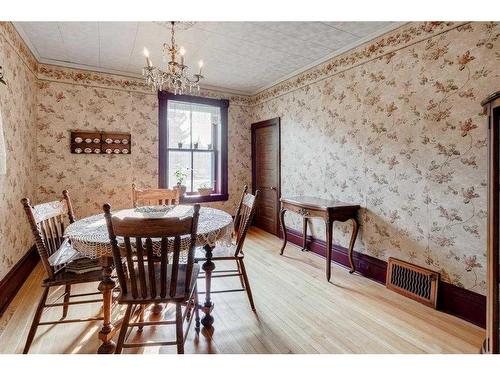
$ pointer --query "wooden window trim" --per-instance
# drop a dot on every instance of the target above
(163, 98)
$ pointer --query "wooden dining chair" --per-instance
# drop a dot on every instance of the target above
(47, 221)
(152, 197)
(153, 278)
(245, 213)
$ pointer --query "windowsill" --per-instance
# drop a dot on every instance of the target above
(204, 198)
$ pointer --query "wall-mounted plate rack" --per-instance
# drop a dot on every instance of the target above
(86, 143)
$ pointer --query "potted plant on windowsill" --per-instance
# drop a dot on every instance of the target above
(205, 189)
(180, 176)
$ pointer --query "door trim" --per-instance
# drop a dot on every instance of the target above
(271, 122)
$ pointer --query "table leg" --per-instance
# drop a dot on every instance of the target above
(208, 267)
(283, 229)
(157, 308)
(304, 230)
(329, 235)
(354, 234)
(106, 287)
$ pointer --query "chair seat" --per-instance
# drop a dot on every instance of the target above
(180, 295)
(64, 277)
(219, 252)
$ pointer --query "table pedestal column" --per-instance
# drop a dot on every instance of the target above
(208, 267)
(106, 287)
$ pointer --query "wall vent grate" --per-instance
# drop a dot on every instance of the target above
(413, 281)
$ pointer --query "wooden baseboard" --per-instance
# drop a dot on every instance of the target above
(452, 299)
(11, 283)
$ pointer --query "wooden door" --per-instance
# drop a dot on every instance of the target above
(492, 342)
(266, 173)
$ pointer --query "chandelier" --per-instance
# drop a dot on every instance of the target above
(175, 78)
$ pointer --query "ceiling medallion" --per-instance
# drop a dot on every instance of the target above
(175, 78)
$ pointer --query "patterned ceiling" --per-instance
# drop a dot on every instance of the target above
(243, 57)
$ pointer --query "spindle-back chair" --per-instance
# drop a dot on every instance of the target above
(153, 197)
(150, 277)
(47, 222)
(243, 220)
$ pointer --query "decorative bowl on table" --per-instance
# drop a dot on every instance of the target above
(154, 211)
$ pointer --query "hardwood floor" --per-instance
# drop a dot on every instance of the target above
(298, 311)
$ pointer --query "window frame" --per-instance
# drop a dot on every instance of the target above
(163, 148)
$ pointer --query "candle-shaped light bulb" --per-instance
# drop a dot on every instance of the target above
(182, 52)
(200, 64)
(146, 55)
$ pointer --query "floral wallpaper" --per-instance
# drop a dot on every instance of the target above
(17, 107)
(402, 133)
(71, 99)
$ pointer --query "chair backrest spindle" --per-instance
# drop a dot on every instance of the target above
(238, 211)
(245, 217)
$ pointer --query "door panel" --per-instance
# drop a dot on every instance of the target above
(266, 173)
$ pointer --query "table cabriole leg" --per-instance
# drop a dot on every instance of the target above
(354, 234)
(283, 230)
(208, 267)
(329, 235)
(304, 231)
(106, 287)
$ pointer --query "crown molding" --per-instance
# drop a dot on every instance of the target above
(24, 36)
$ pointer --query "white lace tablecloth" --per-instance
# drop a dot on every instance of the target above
(90, 237)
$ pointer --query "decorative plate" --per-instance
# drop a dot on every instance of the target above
(78, 150)
(97, 151)
(87, 150)
(125, 141)
(97, 140)
(109, 151)
(125, 151)
(116, 151)
(88, 140)
(78, 140)
(109, 140)
(153, 209)
(117, 141)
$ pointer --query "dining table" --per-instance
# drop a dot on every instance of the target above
(89, 236)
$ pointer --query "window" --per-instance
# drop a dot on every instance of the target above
(193, 144)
